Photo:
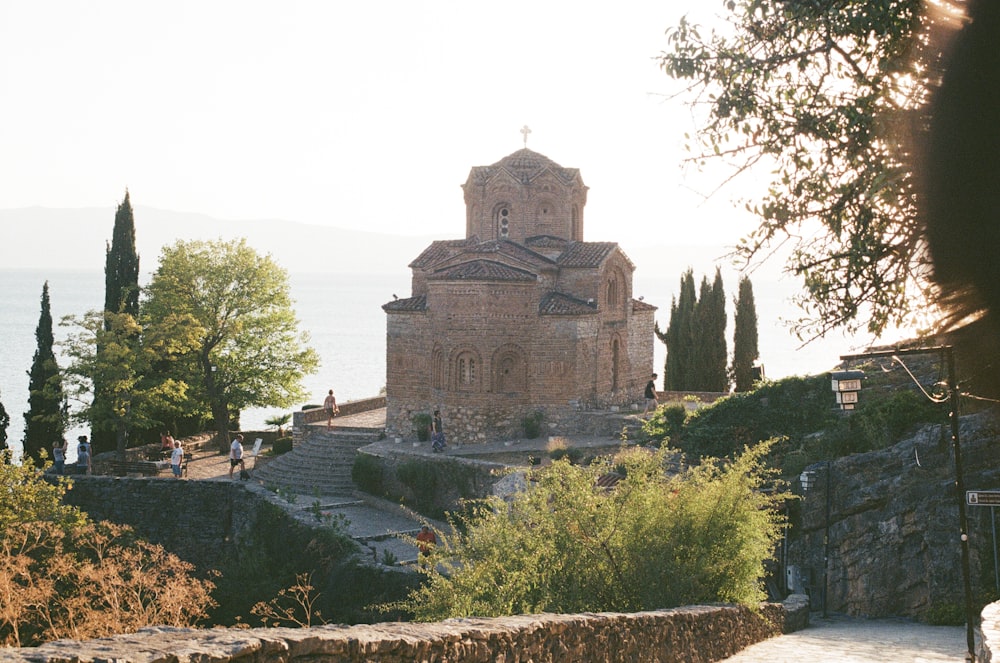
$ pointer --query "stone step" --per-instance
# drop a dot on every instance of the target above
(320, 464)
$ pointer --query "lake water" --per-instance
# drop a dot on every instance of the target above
(343, 316)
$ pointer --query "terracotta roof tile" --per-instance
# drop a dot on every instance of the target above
(546, 242)
(408, 305)
(524, 166)
(557, 303)
(586, 254)
(440, 250)
(638, 305)
(483, 270)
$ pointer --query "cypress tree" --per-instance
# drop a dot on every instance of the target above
(679, 337)
(711, 374)
(745, 350)
(121, 295)
(4, 423)
(121, 266)
(45, 420)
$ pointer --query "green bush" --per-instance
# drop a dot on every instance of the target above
(532, 424)
(421, 478)
(572, 454)
(366, 473)
(700, 537)
(422, 424)
(282, 445)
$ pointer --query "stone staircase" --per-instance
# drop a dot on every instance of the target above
(320, 465)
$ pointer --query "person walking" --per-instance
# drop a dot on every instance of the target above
(330, 405)
(651, 402)
(236, 455)
(437, 433)
(177, 459)
(83, 463)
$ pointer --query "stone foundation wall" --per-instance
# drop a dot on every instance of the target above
(689, 635)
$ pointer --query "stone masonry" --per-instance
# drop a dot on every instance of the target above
(521, 317)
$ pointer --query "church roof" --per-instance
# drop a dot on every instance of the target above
(557, 303)
(586, 254)
(483, 270)
(639, 305)
(410, 304)
(546, 242)
(440, 250)
(524, 166)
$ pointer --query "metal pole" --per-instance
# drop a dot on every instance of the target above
(826, 537)
(996, 565)
(970, 637)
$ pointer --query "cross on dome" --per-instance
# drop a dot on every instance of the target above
(525, 131)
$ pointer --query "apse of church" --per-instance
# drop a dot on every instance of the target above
(521, 316)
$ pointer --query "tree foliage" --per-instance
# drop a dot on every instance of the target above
(4, 423)
(745, 350)
(45, 420)
(249, 351)
(811, 91)
(121, 295)
(566, 545)
(63, 576)
(696, 337)
(132, 363)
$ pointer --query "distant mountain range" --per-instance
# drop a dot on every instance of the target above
(46, 238)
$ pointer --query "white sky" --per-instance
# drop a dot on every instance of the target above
(362, 115)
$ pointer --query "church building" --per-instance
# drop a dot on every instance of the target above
(522, 318)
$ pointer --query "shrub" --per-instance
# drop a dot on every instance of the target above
(567, 546)
(421, 479)
(422, 425)
(366, 473)
(282, 445)
(532, 424)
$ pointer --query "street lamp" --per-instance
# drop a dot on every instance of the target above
(948, 354)
(846, 385)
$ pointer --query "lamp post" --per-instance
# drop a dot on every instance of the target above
(808, 479)
(947, 353)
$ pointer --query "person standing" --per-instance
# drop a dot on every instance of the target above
(437, 432)
(59, 455)
(177, 459)
(236, 455)
(651, 402)
(330, 404)
(83, 464)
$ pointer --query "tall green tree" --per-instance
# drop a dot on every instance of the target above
(710, 372)
(810, 92)
(4, 423)
(249, 352)
(45, 420)
(121, 295)
(745, 350)
(133, 364)
(679, 335)
(121, 265)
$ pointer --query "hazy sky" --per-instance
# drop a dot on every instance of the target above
(353, 114)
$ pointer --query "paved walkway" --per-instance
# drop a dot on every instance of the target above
(840, 639)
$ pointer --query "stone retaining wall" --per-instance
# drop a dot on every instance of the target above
(691, 635)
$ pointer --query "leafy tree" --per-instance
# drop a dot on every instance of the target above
(121, 295)
(45, 420)
(132, 364)
(249, 351)
(567, 545)
(4, 423)
(809, 91)
(745, 351)
(63, 576)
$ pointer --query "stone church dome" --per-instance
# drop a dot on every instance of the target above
(524, 165)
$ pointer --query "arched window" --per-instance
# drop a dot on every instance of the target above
(437, 368)
(615, 364)
(467, 371)
(502, 220)
(612, 293)
(510, 373)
